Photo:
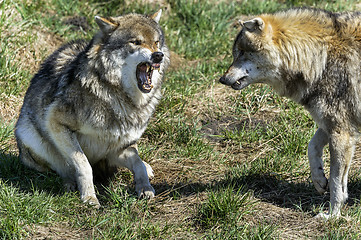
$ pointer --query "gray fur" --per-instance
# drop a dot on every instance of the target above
(84, 107)
(313, 57)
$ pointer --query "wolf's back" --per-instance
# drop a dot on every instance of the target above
(56, 72)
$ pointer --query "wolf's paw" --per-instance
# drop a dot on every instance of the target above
(320, 183)
(92, 201)
(327, 216)
(146, 192)
(149, 170)
(323, 216)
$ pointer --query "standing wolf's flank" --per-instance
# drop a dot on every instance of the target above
(91, 101)
(313, 57)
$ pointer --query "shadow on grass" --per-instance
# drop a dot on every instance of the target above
(13, 172)
(267, 187)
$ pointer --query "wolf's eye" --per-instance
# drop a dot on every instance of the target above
(157, 43)
(136, 42)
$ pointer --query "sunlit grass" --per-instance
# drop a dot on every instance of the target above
(210, 186)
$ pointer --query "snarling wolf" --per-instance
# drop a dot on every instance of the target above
(91, 101)
(313, 57)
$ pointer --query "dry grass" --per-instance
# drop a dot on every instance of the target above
(61, 231)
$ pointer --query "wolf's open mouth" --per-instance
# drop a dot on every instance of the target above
(238, 84)
(144, 75)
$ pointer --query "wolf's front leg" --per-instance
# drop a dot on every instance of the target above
(142, 171)
(315, 151)
(342, 147)
(67, 144)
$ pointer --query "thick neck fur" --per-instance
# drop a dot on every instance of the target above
(302, 42)
(317, 58)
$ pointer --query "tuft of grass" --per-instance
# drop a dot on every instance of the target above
(225, 206)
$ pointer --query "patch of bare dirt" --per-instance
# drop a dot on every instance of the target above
(294, 224)
(178, 212)
(30, 56)
(39, 232)
(10, 107)
(184, 176)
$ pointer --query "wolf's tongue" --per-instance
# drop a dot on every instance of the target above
(143, 75)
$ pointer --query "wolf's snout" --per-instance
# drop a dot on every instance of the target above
(222, 80)
(157, 57)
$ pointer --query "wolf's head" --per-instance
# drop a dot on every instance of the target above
(132, 48)
(251, 60)
(284, 50)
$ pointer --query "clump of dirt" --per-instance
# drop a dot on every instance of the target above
(78, 23)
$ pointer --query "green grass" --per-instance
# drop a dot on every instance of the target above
(228, 165)
(224, 206)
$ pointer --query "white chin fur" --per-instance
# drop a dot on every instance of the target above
(127, 72)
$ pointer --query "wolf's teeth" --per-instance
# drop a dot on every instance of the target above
(148, 87)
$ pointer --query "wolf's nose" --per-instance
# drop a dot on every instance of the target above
(157, 57)
(222, 80)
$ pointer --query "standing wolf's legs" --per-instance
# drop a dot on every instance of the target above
(342, 147)
(315, 150)
(142, 171)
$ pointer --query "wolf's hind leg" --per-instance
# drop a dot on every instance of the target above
(130, 159)
(28, 159)
(315, 151)
(32, 146)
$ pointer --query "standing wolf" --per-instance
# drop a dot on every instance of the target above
(91, 101)
(313, 57)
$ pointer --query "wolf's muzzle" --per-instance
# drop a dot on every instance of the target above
(222, 80)
(157, 57)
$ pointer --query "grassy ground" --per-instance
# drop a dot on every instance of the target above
(228, 165)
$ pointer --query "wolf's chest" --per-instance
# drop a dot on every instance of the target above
(97, 143)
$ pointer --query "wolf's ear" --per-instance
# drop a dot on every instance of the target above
(105, 24)
(156, 16)
(254, 24)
